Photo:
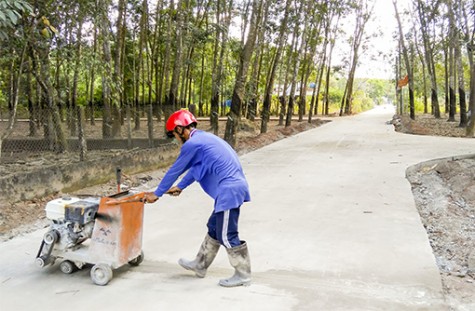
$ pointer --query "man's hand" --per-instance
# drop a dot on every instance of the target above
(174, 191)
(150, 197)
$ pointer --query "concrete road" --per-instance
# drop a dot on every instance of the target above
(332, 226)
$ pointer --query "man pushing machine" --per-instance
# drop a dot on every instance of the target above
(215, 165)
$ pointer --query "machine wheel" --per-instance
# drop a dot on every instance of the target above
(101, 274)
(67, 267)
(137, 261)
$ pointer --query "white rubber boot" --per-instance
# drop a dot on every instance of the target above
(239, 259)
(208, 250)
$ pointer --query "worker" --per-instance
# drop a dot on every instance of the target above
(215, 165)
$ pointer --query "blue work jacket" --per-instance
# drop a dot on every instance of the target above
(215, 165)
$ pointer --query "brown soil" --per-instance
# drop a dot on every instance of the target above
(444, 193)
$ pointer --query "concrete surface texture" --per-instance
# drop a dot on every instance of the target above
(332, 226)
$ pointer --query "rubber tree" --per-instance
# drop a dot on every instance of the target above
(295, 65)
(12, 13)
(332, 22)
(273, 68)
(106, 70)
(282, 98)
(165, 36)
(251, 108)
(76, 69)
(451, 60)
(325, 23)
(363, 12)
(223, 21)
(468, 38)
(312, 31)
(420, 55)
(196, 37)
(407, 62)
(90, 87)
(155, 59)
(232, 123)
(41, 43)
(426, 19)
(117, 95)
(177, 64)
(457, 6)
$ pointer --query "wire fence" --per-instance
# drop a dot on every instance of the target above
(77, 135)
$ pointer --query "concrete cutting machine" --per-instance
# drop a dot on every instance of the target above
(103, 232)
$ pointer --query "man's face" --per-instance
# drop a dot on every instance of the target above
(177, 136)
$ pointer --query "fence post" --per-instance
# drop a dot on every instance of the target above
(150, 125)
(81, 137)
(129, 127)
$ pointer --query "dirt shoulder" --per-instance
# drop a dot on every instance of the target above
(444, 193)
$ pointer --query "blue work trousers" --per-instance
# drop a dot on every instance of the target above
(223, 226)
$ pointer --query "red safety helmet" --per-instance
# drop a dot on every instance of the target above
(179, 118)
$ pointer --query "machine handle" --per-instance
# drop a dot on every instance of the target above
(139, 197)
(118, 176)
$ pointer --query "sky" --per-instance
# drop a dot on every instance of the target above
(372, 63)
(385, 21)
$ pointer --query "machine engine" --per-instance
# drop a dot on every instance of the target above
(72, 222)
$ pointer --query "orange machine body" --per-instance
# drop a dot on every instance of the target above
(117, 235)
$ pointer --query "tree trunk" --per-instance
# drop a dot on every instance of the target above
(424, 74)
(93, 78)
(32, 110)
(429, 55)
(363, 13)
(283, 97)
(451, 61)
(74, 91)
(470, 45)
(165, 70)
(470, 131)
(253, 84)
(459, 68)
(234, 115)
(218, 61)
(173, 91)
(14, 98)
(313, 50)
(106, 76)
(81, 136)
(407, 62)
(273, 69)
(326, 97)
(155, 56)
(294, 72)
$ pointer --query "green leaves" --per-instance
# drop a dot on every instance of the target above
(10, 14)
